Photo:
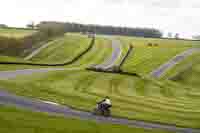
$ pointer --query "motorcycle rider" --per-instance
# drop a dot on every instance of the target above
(106, 103)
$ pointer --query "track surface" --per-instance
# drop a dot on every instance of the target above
(35, 52)
(56, 109)
(116, 53)
(172, 62)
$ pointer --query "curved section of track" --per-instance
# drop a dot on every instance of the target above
(169, 64)
(35, 52)
(116, 53)
(56, 109)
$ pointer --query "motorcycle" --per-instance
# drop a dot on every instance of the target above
(102, 110)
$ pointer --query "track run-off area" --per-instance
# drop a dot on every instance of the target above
(56, 109)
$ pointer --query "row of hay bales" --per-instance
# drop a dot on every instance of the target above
(153, 44)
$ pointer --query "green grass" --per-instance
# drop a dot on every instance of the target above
(21, 121)
(10, 58)
(96, 55)
(186, 72)
(59, 50)
(15, 33)
(101, 50)
(139, 41)
(63, 49)
(66, 48)
(191, 76)
(132, 97)
(145, 59)
(181, 66)
(124, 50)
(4, 67)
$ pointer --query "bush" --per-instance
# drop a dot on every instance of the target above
(150, 44)
(156, 45)
(51, 28)
(17, 47)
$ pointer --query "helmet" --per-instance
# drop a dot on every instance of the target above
(107, 97)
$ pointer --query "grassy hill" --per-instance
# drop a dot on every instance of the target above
(182, 66)
(190, 76)
(18, 41)
(145, 58)
(65, 49)
(133, 97)
(15, 33)
(62, 49)
(186, 72)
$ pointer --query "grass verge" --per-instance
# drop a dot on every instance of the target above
(22, 121)
(132, 97)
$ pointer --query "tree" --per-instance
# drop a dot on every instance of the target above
(197, 37)
(51, 28)
(3, 26)
(169, 35)
(177, 35)
(113, 30)
(31, 25)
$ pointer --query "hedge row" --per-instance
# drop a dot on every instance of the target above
(18, 46)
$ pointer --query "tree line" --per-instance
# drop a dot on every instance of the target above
(53, 27)
(109, 30)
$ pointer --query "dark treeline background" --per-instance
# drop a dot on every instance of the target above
(109, 30)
